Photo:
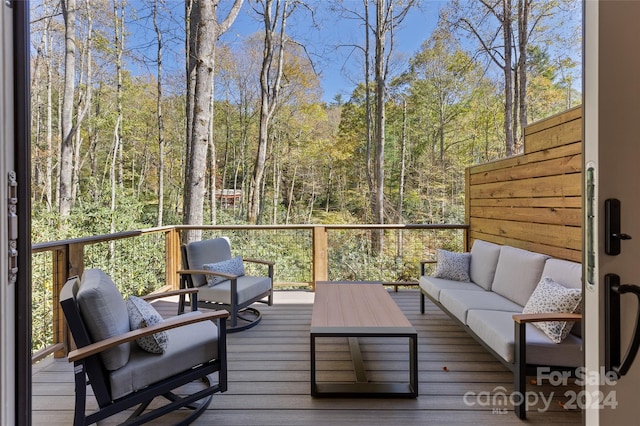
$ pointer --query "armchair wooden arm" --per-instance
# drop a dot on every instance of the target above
(264, 262)
(170, 323)
(207, 272)
(164, 294)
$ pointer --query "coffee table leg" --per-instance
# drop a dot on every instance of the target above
(413, 363)
(313, 364)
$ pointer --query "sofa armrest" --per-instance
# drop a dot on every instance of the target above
(525, 318)
(423, 263)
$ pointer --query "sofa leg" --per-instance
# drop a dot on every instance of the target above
(520, 370)
(422, 303)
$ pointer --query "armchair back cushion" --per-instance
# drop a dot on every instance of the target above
(104, 312)
(202, 252)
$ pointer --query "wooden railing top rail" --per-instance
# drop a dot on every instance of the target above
(330, 226)
(93, 239)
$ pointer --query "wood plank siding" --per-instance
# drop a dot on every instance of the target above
(269, 377)
(534, 200)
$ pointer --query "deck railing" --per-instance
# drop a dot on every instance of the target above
(147, 260)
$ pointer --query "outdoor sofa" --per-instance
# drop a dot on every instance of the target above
(500, 295)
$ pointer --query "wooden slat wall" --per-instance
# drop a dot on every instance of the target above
(533, 201)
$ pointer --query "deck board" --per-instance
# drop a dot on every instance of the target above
(269, 377)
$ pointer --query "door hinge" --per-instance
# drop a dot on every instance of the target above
(12, 227)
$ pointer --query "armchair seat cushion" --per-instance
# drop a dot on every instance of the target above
(249, 287)
(496, 329)
(190, 345)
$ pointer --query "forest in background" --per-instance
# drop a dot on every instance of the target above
(113, 127)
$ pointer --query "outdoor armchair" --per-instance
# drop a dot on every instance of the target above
(221, 281)
(111, 359)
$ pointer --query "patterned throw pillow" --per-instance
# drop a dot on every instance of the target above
(453, 266)
(142, 314)
(551, 297)
(233, 266)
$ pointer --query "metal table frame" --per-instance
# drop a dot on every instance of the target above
(353, 314)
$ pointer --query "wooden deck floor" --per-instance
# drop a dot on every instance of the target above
(269, 377)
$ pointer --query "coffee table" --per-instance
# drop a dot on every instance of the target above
(360, 309)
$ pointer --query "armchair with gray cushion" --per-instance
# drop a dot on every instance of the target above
(130, 366)
(219, 277)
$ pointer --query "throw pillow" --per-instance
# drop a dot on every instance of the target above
(233, 266)
(452, 266)
(552, 297)
(142, 314)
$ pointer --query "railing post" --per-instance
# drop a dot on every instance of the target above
(59, 277)
(320, 256)
(76, 260)
(172, 258)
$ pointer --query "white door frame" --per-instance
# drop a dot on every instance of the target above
(7, 289)
(15, 290)
(611, 115)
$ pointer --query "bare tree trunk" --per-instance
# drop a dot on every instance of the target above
(269, 89)
(367, 101)
(161, 144)
(507, 34)
(208, 32)
(213, 173)
(524, 10)
(86, 106)
(66, 146)
(118, 21)
(49, 137)
(381, 95)
(403, 155)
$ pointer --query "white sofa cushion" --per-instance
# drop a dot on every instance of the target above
(460, 302)
(433, 286)
(518, 273)
(484, 259)
(496, 329)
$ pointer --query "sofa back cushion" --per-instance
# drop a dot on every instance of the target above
(484, 260)
(518, 273)
(569, 274)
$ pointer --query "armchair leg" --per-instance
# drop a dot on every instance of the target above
(81, 394)
(520, 371)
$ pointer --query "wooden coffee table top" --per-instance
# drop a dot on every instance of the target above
(355, 306)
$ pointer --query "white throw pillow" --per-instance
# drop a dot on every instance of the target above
(452, 266)
(552, 297)
(142, 314)
(233, 266)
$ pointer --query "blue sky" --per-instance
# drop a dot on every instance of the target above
(337, 63)
(339, 66)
